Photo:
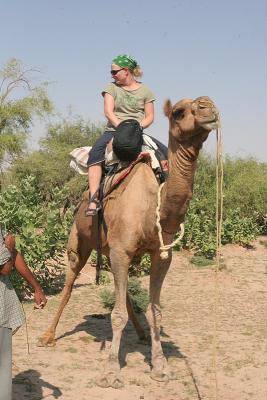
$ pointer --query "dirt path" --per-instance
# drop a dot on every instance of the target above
(68, 370)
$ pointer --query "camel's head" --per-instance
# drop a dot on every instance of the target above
(192, 118)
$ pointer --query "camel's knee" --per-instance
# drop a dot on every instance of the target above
(119, 319)
(154, 315)
(74, 259)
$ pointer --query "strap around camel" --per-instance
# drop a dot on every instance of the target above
(111, 182)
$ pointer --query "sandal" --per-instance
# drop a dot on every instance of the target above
(91, 212)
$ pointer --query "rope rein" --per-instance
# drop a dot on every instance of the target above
(219, 217)
(164, 248)
(26, 327)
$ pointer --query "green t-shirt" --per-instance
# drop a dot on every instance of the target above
(129, 104)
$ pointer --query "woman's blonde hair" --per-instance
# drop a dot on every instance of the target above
(137, 71)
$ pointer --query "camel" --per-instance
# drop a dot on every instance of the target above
(130, 216)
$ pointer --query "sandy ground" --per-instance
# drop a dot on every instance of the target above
(234, 354)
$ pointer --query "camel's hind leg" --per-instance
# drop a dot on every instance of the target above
(78, 254)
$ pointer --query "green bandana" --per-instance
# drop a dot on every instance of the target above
(125, 61)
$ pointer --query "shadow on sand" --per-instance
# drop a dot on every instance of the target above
(99, 326)
(29, 385)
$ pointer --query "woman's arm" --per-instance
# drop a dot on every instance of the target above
(149, 115)
(109, 106)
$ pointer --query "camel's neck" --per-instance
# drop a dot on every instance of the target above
(177, 191)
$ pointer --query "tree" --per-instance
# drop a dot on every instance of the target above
(50, 164)
(17, 110)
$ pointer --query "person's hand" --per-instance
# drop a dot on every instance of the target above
(40, 299)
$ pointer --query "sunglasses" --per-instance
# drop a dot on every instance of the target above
(115, 71)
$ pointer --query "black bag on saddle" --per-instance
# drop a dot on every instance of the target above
(128, 140)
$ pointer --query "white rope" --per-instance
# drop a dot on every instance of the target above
(164, 248)
(26, 327)
(219, 216)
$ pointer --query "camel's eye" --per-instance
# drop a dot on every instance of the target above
(178, 113)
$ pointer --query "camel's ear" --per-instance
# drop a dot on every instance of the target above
(167, 108)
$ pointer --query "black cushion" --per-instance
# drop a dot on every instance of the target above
(128, 140)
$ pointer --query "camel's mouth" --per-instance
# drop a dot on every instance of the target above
(209, 124)
(206, 114)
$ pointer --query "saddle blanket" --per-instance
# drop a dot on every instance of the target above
(78, 159)
(79, 156)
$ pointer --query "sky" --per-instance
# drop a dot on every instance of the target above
(186, 48)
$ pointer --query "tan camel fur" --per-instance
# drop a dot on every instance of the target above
(130, 215)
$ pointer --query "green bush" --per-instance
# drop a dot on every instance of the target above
(50, 164)
(245, 186)
(40, 234)
(200, 234)
(104, 278)
(138, 295)
(244, 195)
(139, 267)
(108, 298)
(240, 229)
(201, 261)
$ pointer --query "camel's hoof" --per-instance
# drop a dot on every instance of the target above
(102, 382)
(110, 379)
(46, 341)
(162, 376)
(159, 376)
(117, 383)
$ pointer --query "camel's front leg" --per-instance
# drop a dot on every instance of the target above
(119, 264)
(138, 328)
(159, 268)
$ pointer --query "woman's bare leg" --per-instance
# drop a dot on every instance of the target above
(94, 178)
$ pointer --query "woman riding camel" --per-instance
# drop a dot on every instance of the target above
(125, 98)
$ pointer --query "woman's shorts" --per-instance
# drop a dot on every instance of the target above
(97, 152)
